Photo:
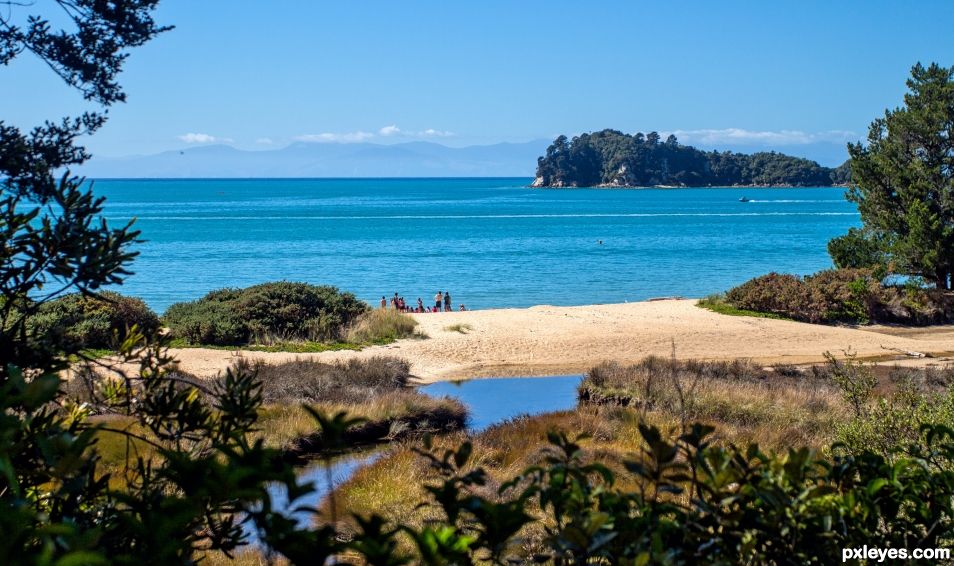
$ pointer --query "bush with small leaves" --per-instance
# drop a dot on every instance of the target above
(264, 314)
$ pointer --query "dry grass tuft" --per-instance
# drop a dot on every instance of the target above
(747, 403)
(381, 326)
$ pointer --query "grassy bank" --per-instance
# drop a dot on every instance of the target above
(375, 390)
(777, 408)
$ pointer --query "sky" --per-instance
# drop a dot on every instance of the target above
(262, 75)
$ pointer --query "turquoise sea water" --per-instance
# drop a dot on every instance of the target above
(491, 242)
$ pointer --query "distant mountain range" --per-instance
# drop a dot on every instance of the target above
(411, 159)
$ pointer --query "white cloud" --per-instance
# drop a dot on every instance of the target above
(265, 141)
(330, 137)
(432, 133)
(754, 137)
(390, 131)
(203, 138)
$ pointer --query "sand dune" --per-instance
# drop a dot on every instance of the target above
(548, 340)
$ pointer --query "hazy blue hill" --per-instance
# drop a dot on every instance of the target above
(411, 159)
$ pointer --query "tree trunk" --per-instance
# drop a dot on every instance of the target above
(942, 279)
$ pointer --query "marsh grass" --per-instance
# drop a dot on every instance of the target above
(393, 485)
(374, 389)
(777, 408)
(382, 326)
(295, 347)
(748, 402)
(388, 417)
(718, 304)
(745, 401)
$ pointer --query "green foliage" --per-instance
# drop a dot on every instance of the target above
(855, 379)
(611, 157)
(92, 322)
(695, 503)
(903, 180)
(88, 54)
(266, 313)
(860, 249)
(886, 424)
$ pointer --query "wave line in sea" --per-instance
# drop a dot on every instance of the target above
(487, 216)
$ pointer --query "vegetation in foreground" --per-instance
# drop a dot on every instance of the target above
(683, 462)
(625, 470)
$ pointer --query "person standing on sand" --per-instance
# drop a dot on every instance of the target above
(447, 302)
(438, 301)
(420, 305)
(384, 303)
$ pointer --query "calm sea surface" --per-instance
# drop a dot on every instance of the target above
(491, 242)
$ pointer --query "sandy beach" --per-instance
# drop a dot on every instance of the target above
(548, 340)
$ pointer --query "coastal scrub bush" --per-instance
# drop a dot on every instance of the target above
(381, 326)
(775, 293)
(265, 314)
(78, 321)
(840, 295)
(207, 321)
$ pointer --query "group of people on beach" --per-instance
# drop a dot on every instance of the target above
(442, 303)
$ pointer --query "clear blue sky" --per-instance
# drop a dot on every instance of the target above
(263, 74)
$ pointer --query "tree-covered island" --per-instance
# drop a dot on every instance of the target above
(611, 158)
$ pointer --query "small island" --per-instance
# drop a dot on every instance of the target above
(610, 158)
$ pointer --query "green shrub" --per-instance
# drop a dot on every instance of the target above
(207, 321)
(264, 314)
(76, 321)
(920, 396)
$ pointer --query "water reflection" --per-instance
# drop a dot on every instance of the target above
(498, 399)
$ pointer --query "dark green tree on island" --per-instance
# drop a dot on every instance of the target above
(903, 183)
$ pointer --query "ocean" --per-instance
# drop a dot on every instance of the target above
(491, 242)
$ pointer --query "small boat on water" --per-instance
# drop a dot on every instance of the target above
(744, 199)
